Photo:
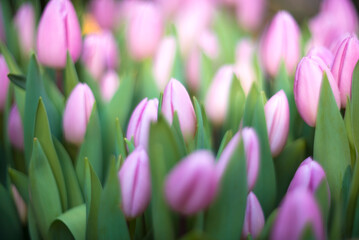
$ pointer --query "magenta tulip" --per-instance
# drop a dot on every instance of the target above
(77, 113)
(105, 12)
(135, 182)
(254, 218)
(58, 32)
(298, 210)
(281, 43)
(324, 53)
(192, 184)
(140, 121)
(4, 82)
(109, 85)
(277, 118)
(100, 53)
(15, 129)
(250, 14)
(307, 84)
(344, 63)
(176, 99)
(25, 26)
(252, 149)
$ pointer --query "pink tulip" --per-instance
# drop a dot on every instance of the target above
(105, 12)
(4, 82)
(281, 42)
(163, 62)
(254, 218)
(216, 102)
(252, 149)
(208, 43)
(307, 84)
(277, 118)
(100, 53)
(309, 175)
(109, 85)
(58, 32)
(15, 129)
(324, 53)
(343, 66)
(170, 7)
(20, 204)
(25, 26)
(145, 29)
(192, 184)
(176, 99)
(250, 13)
(77, 113)
(298, 210)
(135, 182)
(140, 121)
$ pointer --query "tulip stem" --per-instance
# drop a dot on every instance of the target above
(353, 195)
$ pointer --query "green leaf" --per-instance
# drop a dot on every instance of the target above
(111, 220)
(71, 79)
(93, 191)
(226, 138)
(355, 233)
(202, 138)
(206, 75)
(18, 80)
(10, 61)
(349, 128)
(33, 229)
(120, 140)
(163, 154)
(70, 225)
(74, 194)
(178, 134)
(21, 181)
(225, 217)
(43, 134)
(91, 148)
(268, 225)
(250, 105)
(45, 196)
(330, 141)
(322, 196)
(355, 106)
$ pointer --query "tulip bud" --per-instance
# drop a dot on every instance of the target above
(309, 175)
(163, 62)
(192, 184)
(20, 204)
(135, 183)
(25, 26)
(344, 63)
(58, 32)
(250, 13)
(109, 85)
(4, 82)
(100, 53)
(217, 98)
(281, 42)
(145, 30)
(15, 129)
(105, 12)
(277, 118)
(252, 149)
(298, 210)
(176, 99)
(77, 113)
(254, 218)
(208, 43)
(140, 121)
(323, 53)
(307, 84)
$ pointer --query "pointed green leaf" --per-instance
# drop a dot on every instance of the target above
(236, 105)
(21, 182)
(178, 135)
(120, 140)
(10, 61)
(71, 79)
(33, 229)
(268, 225)
(202, 139)
(18, 80)
(250, 105)
(226, 138)
(355, 105)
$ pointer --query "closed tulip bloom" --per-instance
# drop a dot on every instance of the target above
(307, 84)
(343, 66)
(135, 182)
(277, 117)
(109, 85)
(281, 42)
(309, 175)
(100, 53)
(25, 26)
(145, 29)
(254, 217)
(298, 210)
(324, 53)
(192, 184)
(140, 121)
(163, 62)
(58, 32)
(15, 129)
(252, 149)
(176, 99)
(105, 12)
(250, 13)
(77, 113)
(20, 204)
(217, 98)
(4, 82)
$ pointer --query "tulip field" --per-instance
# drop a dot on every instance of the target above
(179, 119)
